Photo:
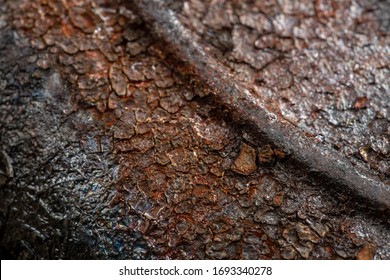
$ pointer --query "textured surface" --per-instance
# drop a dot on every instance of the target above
(117, 152)
(322, 64)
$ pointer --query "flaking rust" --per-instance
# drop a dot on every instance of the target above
(245, 163)
(312, 158)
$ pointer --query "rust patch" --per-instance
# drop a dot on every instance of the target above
(245, 163)
(266, 155)
(360, 103)
(366, 253)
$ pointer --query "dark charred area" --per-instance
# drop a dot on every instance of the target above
(111, 148)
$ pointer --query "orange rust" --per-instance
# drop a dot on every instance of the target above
(202, 191)
(360, 103)
(67, 28)
(366, 253)
(279, 154)
(278, 198)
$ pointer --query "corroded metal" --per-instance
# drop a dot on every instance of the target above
(6, 169)
(122, 148)
(313, 158)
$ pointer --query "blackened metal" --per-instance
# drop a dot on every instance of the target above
(313, 158)
(6, 169)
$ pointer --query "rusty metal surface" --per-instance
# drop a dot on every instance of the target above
(246, 106)
(117, 142)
